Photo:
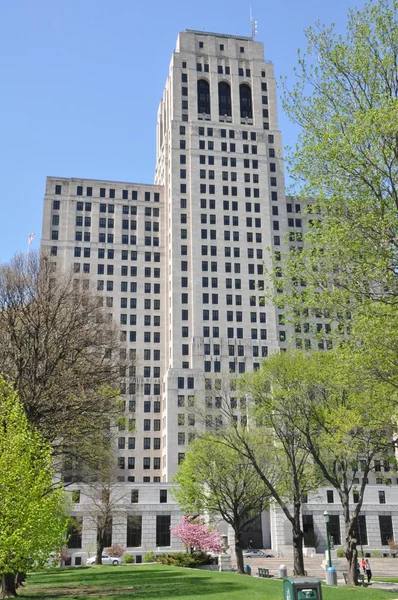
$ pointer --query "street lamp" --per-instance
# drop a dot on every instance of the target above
(326, 517)
(360, 536)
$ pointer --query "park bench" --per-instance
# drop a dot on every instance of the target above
(263, 572)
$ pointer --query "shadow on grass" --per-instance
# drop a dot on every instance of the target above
(99, 575)
(138, 582)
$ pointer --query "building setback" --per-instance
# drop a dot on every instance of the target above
(181, 264)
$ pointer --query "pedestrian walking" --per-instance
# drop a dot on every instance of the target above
(363, 566)
(368, 570)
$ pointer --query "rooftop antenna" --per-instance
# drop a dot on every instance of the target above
(253, 24)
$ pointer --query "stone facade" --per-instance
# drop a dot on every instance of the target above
(180, 266)
(150, 502)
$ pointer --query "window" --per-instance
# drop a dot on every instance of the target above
(203, 97)
(134, 531)
(330, 496)
(362, 531)
(308, 530)
(134, 496)
(245, 96)
(130, 465)
(224, 99)
(163, 530)
(386, 530)
(334, 529)
(163, 496)
(382, 497)
(75, 532)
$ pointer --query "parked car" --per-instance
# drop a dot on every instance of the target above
(106, 560)
(253, 553)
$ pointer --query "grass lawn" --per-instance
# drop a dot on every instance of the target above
(152, 582)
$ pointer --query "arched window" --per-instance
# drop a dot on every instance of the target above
(203, 97)
(224, 99)
(245, 95)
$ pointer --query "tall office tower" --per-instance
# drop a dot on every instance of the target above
(219, 159)
(180, 265)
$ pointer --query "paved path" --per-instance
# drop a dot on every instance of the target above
(381, 567)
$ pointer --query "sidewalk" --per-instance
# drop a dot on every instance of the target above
(381, 567)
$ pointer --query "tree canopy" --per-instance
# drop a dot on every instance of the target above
(341, 417)
(197, 535)
(218, 480)
(264, 441)
(32, 523)
(58, 346)
(344, 170)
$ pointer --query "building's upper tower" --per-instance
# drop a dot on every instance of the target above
(219, 158)
(228, 81)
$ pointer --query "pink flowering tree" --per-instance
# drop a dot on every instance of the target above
(197, 535)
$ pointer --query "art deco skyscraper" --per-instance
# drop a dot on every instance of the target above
(180, 264)
(219, 161)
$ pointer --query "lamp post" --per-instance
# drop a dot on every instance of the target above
(360, 536)
(326, 517)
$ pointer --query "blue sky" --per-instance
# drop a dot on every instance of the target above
(81, 81)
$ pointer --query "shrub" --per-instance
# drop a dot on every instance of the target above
(377, 554)
(181, 559)
(128, 559)
(116, 550)
(340, 553)
(393, 544)
(149, 557)
(62, 555)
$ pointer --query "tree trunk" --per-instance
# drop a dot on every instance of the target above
(238, 554)
(100, 549)
(351, 551)
(8, 589)
(298, 557)
(298, 537)
(20, 579)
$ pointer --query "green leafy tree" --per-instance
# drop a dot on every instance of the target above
(343, 419)
(345, 168)
(267, 442)
(32, 523)
(219, 481)
(275, 409)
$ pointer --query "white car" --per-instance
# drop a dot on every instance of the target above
(106, 560)
(253, 553)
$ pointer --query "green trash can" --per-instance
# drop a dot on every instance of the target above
(302, 588)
